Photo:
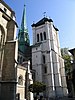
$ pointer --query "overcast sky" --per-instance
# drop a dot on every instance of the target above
(61, 11)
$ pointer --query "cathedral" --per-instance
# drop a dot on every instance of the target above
(21, 63)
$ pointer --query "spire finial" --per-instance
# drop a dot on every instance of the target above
(23, 23)
(24, 3)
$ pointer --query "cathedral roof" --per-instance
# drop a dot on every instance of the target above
(42, 21)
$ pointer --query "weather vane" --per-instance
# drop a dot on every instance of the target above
(44, 14)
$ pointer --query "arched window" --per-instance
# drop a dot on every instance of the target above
(44, 35)
(5, 10)
(20, 80)
(44, 60)
(41, 38)
(37, 37)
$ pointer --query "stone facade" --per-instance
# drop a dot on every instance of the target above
(8, 52)
(24, 79)
(21, 79)
(46, 58)
(15, 76)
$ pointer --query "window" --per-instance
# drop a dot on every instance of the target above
(44, 60)
(45, 69)
(5, 10)
(41, 37)
(44, 35)
(20, 80)
(37, 37)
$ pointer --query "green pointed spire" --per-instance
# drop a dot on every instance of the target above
(23, 33)
(23, 23)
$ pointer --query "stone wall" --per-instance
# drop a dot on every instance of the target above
(8, 68)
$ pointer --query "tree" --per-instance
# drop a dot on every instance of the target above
(67, 62)
(68, 69)
(37, 87)
(67, 59)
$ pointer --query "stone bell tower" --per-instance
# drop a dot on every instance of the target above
(46, 58)
(8, 52)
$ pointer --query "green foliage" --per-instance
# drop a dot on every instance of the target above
(67, 62)
(64, 51)
(67, 59)
(37, 87)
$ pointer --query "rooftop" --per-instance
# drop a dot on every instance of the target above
(42, 21)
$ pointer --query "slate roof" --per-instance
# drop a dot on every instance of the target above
(72, 51)
(41, 22)
(55, 28)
